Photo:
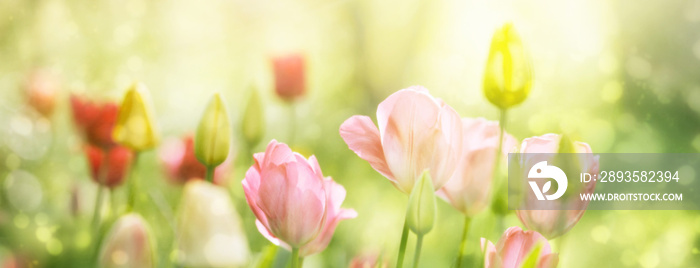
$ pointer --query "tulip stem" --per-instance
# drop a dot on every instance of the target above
(292, 123)
(295, 258)
(301, 262)
(97, 215)
(498, 184)
(132, 184)
(402, 246)
(416, 256)
(210, 174)
(463, 244)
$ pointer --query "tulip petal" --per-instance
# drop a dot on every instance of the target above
(362, 137)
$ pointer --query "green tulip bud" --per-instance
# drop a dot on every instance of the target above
(213, 139)
(422, 206)
(253, 125)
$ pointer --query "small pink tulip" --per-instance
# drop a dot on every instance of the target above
(128, 244)
(41, 88)
(295, 206)
(514, 247)
(469, 188)
(368, 261)
(560, 218)
(416, 132)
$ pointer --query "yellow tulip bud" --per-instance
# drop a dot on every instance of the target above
(253, 125)
(422, 209)
(508, 74)
(135, 127)
(213, 140)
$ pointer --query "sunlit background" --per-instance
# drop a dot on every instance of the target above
(623, 76)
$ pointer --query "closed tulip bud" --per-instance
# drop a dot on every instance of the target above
(289, 72)
(508, 74)
(213, 139)
(135, 126)
(41, 88)
(109, 166)
(208, 228)
(422, 206)
(128, 244)
(253, 125)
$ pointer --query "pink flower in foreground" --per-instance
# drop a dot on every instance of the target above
(182, 165)
(128, 244)
(289, 71)
(295, 206)
(469, 188)
(559, 218)
(416, 132)
(514, 247)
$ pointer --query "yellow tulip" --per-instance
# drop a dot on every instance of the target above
(508, 76)
(135, 127)
(213, 140)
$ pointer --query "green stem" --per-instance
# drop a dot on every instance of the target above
(497, 183)
(97, 215)
(292, 123)
(416, 256)
(210, 174)
(295, 258)
(463, 244)
(132, 184)
(301, 262)
(402, 246)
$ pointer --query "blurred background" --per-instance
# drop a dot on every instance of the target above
(622, 75)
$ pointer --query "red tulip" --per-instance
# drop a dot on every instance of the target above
(109, 166)
(95, 121)
(515, 246)
(182, 164)
(289, 71)
(41, 89)
(295, 206)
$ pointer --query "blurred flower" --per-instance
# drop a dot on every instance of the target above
(368, 261)
(213, 140)
(41, 88)
(290, 80)
(15, 261)
(253, 125)
(95, 121)
(468, 189)
(109, 166)
(416, 132)
(128, 244)
(295, 206)
(209, 230)
(508, 74)
(182, 165)
(564, 213)
(422, 209)
(136, 127)
(514, 249)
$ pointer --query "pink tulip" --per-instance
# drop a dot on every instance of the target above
(468, 189)
(559, 218)
(514, 247)
(295, 206)
(416, 132)
(128, 244)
